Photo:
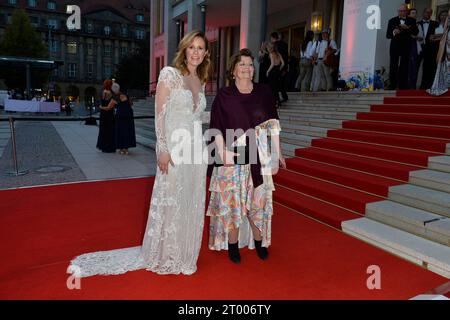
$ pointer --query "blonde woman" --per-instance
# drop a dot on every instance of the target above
(174, 230)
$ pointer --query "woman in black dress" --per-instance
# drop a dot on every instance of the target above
(124, 121)
(106, 135)
(264, 64)
(274, 71)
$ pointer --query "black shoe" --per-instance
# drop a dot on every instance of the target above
(233, 252)
(262, 252)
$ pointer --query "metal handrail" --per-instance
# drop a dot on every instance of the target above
(12, 120)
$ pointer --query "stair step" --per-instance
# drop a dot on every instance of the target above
(307, 114)
(444, 101)
(357, 162)
(416, 93)
(381, 152)
(434, 256)
(437, 120)
(431, 179)
(339, 195)
(404, 141)
(296, 139)
(346, 177)
(409, 129)
(288, 149)
(314, 208)
(419, 222)
(425, 109)
(422, 198)
(439, 163)
(146, 142)
(317, 122)
(304, 130)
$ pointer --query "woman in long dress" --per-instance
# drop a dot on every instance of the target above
(174, 230)
(240, 206)
(106, 134)
(442, 79)
(274, 72)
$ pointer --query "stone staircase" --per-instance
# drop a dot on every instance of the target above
(145, 128)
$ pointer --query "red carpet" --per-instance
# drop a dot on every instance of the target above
(443, 101)
(333, 180)
(417, 93)
(43, 228)
(411, 108)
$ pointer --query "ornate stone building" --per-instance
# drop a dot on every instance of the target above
(110, 29)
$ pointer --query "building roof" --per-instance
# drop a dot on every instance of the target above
(126, 8)
(33, 62)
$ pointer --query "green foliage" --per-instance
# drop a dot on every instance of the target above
(21, 39)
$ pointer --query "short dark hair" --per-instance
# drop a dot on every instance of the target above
(274, 35)
(235, 59)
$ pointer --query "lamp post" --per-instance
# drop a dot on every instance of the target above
(316, 21)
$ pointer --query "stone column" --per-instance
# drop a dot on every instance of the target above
(194, 15)
(99, 60)
(116, 53)
(170, 34)
(81, 74)
(251, 33)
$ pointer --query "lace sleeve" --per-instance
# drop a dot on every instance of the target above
(165, 83)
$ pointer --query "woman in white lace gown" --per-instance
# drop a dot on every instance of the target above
(441, 82)
(174, 230)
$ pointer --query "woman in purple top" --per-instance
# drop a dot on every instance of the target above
(242, 117)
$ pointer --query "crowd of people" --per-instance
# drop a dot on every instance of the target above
(314, 68)
(415, 45)
(414, 48)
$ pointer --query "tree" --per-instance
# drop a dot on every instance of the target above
(132, 71)
(22, 40)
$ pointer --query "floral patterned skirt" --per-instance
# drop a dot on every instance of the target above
(234, 201)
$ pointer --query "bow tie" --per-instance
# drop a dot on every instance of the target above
(426, 22)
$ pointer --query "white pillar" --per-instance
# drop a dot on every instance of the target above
(170, 34)
(252, 13)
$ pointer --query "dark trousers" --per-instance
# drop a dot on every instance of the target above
(284, 79)
(429, 68)
(398, 74)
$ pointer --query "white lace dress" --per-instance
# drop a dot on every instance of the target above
(174, 230)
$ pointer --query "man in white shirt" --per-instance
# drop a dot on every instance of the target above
(323, 72)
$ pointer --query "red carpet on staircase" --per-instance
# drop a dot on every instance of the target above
(334, 179)
(42, 228)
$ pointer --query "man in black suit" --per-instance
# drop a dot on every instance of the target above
(400, 29)
(282, 48)
(427, 28)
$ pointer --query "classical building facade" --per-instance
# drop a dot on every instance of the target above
(110, 30)
(234, 24)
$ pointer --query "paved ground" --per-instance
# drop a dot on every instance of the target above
(43, 146)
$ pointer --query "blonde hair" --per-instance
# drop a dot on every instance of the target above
(115, 88)
(204, 69)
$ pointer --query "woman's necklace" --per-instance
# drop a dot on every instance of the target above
(248, 89)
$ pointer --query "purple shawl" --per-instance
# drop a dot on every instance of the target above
(234, 110)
